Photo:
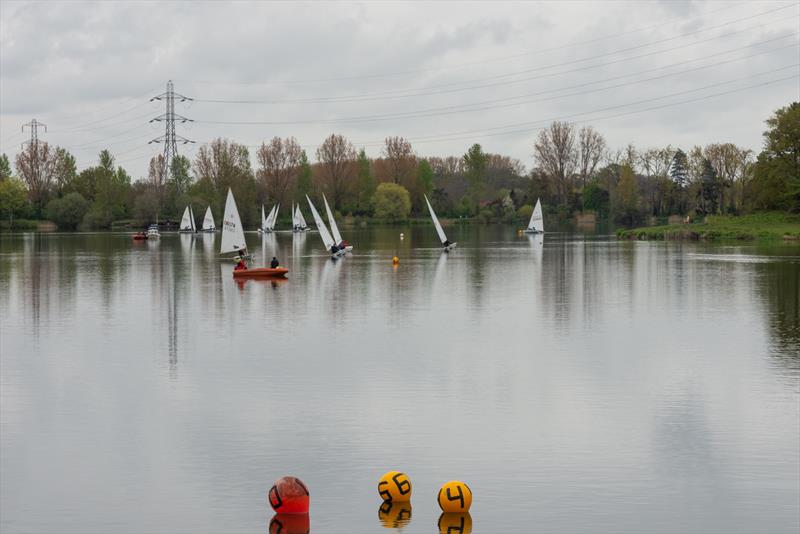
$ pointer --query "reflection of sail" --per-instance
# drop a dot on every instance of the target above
(394, 514)
(269, 247)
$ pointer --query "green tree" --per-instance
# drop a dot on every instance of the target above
(595, 198)
(179, 174)
(475, 162)
(13, 200)
(5, 167)
(708, 188)
(365, 182)
(776, 178)
(65, 170)
(424, 184)
(679, 169)
(626, 207)
(392, 202)
(68, 211)
(111, 192)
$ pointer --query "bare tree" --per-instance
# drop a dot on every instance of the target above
(449, 166)
(280, 164)
(555, 153)
(155, 174)
(37, 165)
(402, 162)
(630, 157)
(337, 158)
(223, 163)
(591, 147)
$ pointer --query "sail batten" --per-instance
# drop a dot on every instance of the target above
(327, 239)
(232, 231)
(439, 230)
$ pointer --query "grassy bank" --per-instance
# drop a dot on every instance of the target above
(746, 227)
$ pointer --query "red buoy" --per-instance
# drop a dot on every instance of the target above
(289, 496)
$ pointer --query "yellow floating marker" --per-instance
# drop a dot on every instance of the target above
(453, 523)
(394, 486)
(454, 496)
(395, 260)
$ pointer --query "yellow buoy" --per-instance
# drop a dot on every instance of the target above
(395, 486)
(454, 496)
(395, 260)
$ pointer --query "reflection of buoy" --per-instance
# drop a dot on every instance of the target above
(394, 514)
(454, 496)
(452, 523)
(395, 486)
(519, 232)
(395, 260)
(290, 524)
(289, 496)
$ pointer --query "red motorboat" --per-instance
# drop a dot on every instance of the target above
(260, 272)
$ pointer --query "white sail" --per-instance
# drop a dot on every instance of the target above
(186, 225)
(208, 221)
(294, 217)
(274, 218)
(232, 231)
(327, 239)
(438, 226)
(191, 218)
(334, 229)
(301, 219)
(537, 222)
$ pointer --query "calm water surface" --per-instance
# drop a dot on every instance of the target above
(579, 384)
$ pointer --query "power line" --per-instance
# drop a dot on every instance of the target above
(453, 109)
(468, 64)
(485, 82)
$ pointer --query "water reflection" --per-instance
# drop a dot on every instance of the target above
(290, 524)
(455, 523)
(394, 515)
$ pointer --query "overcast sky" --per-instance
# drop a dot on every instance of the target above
(443, 74)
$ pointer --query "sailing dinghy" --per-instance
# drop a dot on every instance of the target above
(327, 238)
(536, 224)
(208, 221)
(337, 237)
(446, 244)
(298, 221)
(187, 221)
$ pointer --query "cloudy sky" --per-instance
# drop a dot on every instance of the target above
(443, 74)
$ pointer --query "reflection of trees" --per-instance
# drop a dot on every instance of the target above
(781, 288)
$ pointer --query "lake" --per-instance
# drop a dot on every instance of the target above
(577, 383)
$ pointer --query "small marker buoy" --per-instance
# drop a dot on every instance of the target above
(394, 486)
(395, 260)
(402, 235)
(454, 496)
(289, 496)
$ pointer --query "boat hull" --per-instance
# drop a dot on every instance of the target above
(529, 231)
(450, 247)
(261, 272)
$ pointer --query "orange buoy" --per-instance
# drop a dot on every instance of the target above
(395, 260)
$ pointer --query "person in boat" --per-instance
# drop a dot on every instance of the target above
(446, 243)
(274, 263)
(241, 266)
(334, 249)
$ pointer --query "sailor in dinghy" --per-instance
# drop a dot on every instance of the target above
(327, 238)
(447, 246)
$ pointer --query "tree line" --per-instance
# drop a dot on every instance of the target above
(573, 170)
